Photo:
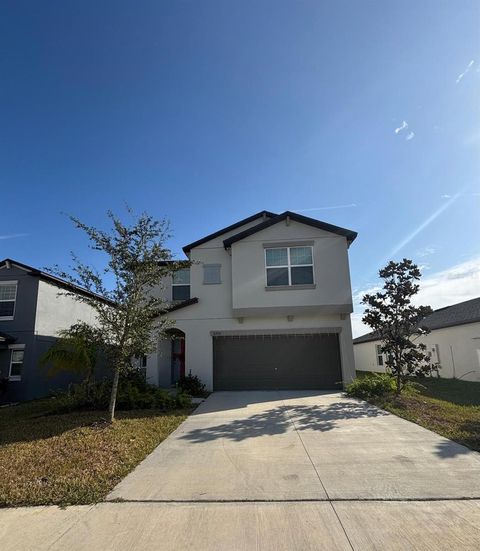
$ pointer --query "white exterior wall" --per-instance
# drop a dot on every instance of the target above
(56, 311)
(214, 312)
(331, 272)
(199, 342)
(458, 347)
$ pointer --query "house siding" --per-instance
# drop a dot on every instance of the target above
(243, 288)
(458, 347)
(41, 310)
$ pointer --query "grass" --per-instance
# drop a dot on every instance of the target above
(450, 407)
(73, 458)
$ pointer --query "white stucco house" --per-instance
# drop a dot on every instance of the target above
(266, 304)
(454, 342)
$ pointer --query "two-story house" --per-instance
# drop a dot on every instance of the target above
(266, 304)
(33, 309)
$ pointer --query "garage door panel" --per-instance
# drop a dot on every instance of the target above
(284, 362)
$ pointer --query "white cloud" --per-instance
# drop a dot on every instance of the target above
(455, 284)
(12, 236)
(445, 196)
(410, 136)
(426, 251)
(403, 126)
(461, 75)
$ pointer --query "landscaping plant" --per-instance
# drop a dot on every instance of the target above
(129, 314)
(398, 323)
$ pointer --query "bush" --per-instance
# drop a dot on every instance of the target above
(375, 385)
(192, 385)
(133, 393)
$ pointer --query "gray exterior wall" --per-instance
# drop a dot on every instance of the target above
(35, 382)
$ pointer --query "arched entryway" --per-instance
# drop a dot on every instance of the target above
(177, 354)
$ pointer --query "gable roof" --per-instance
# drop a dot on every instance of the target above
(349, 234)
(54, 280)
(262, 214)
(449, 316)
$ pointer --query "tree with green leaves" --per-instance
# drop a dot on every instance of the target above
(124, 293)
(76, 351)
(398, 323)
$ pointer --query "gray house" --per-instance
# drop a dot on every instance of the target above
(32, 311)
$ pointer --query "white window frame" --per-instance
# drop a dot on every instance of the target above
(15, 348)
(10, 318)
(182, 285)
(379, 355)
(289, 266)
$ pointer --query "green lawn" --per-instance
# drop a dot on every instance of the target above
(73, 458)
(450, 407)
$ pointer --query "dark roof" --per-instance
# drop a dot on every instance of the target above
(6, 338)
(182, 304)
(349, 234)
(261, 214)
(449, 316)
(55, 280)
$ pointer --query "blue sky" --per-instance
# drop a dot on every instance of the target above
(362, 114)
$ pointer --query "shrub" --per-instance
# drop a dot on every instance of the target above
(133, 393)
(372, 386)
(192, 385)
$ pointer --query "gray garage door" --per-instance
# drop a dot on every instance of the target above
(283, 362)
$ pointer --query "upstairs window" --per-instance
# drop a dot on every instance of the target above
(181, 284)
(8, 295)
(289, 266)
(211, 274)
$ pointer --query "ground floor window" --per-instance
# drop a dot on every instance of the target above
(16, 364)
(378, 349)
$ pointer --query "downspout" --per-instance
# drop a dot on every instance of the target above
(453, 362)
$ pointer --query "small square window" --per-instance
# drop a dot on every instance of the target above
(211, 274)
(277, 276)
(302, 275)
(277, 257)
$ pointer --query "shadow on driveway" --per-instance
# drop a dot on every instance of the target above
(277, 420)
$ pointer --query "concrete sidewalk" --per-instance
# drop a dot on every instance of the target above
(277, 471)
(285, 526)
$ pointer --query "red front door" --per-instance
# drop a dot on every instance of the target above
(178, 359)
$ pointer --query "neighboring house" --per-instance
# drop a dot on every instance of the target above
(265, 305)
(32, 311)
(454, 343)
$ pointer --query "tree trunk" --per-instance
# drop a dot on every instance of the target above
(113, 395)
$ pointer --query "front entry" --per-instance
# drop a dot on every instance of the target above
(178, 359)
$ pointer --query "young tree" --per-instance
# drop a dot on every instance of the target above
(76, 350)
(393, 317)
(129, 313)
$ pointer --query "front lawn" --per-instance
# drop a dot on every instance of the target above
(450, 407)
(73, 458)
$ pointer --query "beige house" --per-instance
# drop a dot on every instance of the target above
(265, 305)
(454, 343)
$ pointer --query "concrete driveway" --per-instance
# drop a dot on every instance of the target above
(277, 471)
(278, 446)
